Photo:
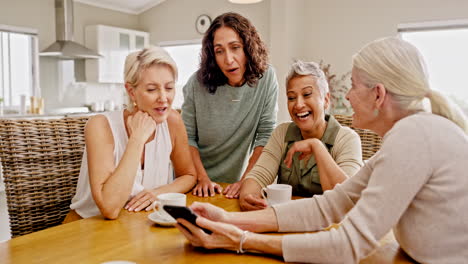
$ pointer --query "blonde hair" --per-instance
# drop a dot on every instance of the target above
(400, 67)
(138, 61)
(303, 68)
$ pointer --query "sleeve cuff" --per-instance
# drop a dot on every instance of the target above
(260, 142)
(192, 143)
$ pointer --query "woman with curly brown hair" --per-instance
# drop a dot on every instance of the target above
(230, 104)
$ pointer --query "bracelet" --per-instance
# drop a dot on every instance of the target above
(241, 243)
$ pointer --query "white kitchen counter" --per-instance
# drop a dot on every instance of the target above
(47, 116)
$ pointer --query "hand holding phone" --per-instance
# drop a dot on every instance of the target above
(185, 213)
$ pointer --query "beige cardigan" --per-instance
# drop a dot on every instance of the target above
(416, 184)
(346, 152)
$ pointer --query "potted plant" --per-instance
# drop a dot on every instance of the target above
(338, 89)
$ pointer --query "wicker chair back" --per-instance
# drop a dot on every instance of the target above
(41, 162)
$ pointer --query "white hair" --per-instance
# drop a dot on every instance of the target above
(138, 61)
(302, 68)
(400, 67)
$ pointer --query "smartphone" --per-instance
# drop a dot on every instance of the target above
(185, 213)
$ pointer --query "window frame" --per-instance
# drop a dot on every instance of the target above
(36, 91)
(438, 25)
(165, 44)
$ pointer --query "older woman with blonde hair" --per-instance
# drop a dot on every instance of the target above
(416, 184)
(130, 154)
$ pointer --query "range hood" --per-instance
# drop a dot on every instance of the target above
(65, 48)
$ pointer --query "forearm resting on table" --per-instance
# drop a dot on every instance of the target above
(271, 244)
(181, 184)
(256, 221)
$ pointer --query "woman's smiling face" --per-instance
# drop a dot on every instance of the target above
(362, 101)
(306, 104)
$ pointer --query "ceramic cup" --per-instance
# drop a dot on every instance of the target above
(179, 199)
(277, 193)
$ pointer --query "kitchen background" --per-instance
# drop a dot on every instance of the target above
(328, 30)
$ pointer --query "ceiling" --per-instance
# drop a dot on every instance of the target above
(126, 6)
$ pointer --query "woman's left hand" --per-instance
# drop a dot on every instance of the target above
(306, 147)
(233, 190)
(224, 235)
(143, 200)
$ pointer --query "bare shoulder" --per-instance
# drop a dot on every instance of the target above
(176, 126)
(96, 122)
(174, 120)
(98, 126)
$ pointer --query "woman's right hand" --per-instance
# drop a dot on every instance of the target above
(252, 202)
(224, 235)
(305, 147)
(210, 211)
(205, 187)
(140, 126)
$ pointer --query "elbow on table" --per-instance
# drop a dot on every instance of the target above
(110, 213)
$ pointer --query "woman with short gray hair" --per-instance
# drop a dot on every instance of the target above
(337, 151)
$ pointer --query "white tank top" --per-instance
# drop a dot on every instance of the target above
(158, 168)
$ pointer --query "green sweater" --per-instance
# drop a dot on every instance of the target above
(227, 125)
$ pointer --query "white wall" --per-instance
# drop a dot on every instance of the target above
(336, 29)
(56, 88)
(40, 14)
(33, 14)
(284, 18)
(175, 19)
(89, 15)
(332, 30)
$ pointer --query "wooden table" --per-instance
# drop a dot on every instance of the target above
(133, 237)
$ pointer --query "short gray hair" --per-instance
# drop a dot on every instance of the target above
(303, 68)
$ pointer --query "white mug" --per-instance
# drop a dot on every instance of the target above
(179, 199)
(277, 193)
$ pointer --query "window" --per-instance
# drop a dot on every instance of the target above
(444, 47)
(187, 57)
(18, 65)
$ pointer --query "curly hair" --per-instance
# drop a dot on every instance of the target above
(210, 75)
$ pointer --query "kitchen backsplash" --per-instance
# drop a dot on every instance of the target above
(60, 87)
(101, 93)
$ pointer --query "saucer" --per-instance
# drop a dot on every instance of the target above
(161, 220)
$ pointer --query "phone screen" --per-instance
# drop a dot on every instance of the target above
(185, 213)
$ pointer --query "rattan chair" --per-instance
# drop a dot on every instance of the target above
(41, 162)
(369, 140)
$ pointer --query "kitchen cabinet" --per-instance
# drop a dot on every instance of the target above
(114, 44)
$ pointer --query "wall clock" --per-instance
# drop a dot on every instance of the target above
(202, 23)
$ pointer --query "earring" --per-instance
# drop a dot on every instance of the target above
(134, 104)
(376, 112)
